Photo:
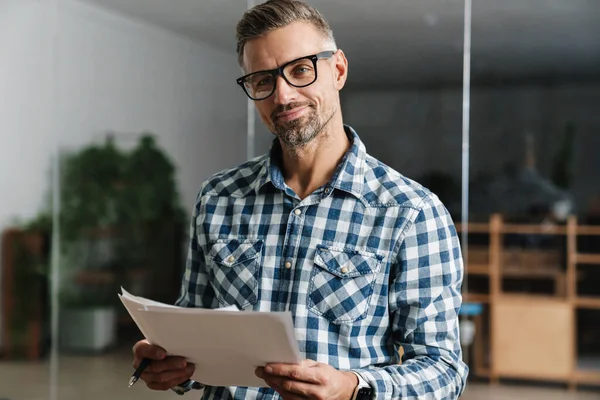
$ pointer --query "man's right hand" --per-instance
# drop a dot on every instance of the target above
(163, 372)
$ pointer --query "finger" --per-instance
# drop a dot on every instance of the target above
(159, 379)
(139, 343)
(168, 364)
(143, 349)
(260, 371)
(292, 389)
(167, 376)
(293, 372)
(309, 363)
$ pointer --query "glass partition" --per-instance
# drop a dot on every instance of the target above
(112, 116)
(534, 190)
(27, 145)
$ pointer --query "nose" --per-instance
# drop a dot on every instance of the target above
(284, 93)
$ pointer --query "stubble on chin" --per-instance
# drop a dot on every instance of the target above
(298, 133)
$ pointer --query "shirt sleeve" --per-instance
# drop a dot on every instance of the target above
(196, 290)
(424, 301)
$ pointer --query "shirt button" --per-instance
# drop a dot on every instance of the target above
(344, 270)
(231, 259)
(288, 265)
(327, 190)
(297, 212)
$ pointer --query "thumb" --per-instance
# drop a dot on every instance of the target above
(309, 363)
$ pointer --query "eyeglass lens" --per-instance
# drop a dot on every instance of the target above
(299, 73)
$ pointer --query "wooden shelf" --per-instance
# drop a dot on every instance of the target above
(522, 298)
(588, 302)
(516, 272)
(481, 227)
(478, 269)
(583, 376)
(476, 298)
(534, 229)
(588, 230)
(539, 377)
(482, 372)
(582, 258)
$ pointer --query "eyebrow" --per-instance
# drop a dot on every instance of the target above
(284, 63)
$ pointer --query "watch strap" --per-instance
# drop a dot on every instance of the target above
(362, 384)
(186, 386)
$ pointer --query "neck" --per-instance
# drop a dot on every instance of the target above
(312, 166)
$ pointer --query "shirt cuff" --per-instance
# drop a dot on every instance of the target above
(376, 380)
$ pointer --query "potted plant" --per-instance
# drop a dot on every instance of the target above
(118, 211)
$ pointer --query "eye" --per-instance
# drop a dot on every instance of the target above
(301, 69)
(262, 81)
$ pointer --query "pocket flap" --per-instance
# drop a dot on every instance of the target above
(235, 251)
(347, 263)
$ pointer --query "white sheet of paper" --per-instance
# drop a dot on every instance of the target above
(144, 301)
(224, 344)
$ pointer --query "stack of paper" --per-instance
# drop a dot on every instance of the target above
(224, 344)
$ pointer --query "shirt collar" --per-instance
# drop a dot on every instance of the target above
(348, 176)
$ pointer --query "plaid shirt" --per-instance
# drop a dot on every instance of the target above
(367, 263)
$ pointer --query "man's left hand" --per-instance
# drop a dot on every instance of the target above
(309, 380)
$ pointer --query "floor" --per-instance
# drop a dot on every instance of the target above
(105, 377)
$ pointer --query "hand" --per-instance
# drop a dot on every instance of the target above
(309, 380)
(163, 372)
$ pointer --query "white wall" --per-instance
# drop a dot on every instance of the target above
(416, 131)
(113, 74)
(25, 121)
(106, 72)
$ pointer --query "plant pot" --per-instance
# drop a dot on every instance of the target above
(90, 330)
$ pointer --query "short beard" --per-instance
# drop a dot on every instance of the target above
(297, 133)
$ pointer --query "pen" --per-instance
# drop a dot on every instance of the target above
(138, 371)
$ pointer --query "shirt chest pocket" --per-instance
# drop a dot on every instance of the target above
(341, 283)
(234, 269)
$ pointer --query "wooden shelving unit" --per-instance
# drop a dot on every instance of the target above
(530, 336)
(30, 346)
(586, 377)
(588, 302)
(476, 298)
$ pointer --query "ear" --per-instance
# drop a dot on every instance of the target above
(340, 70)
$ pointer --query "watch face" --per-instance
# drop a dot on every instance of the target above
(179, 390)
(364, 394)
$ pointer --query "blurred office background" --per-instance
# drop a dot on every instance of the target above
(114, 111)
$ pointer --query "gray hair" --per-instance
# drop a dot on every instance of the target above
(273, 14)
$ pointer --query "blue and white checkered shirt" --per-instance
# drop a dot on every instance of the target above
(367, 263)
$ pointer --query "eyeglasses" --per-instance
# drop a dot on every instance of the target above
(299, 73)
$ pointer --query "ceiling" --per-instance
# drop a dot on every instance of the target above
(419, 42)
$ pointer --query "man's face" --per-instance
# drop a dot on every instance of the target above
(296, 115)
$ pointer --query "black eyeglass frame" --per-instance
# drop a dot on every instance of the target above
(279, 72)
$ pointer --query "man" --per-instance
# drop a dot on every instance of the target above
(365, 259)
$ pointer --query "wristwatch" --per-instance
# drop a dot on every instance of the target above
(363, 390)
(186, 386)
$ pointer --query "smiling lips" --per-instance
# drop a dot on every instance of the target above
(291, 114)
